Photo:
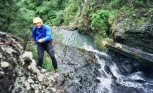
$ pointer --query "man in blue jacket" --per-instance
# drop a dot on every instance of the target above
(43, 37)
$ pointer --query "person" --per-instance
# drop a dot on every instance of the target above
(43, 37)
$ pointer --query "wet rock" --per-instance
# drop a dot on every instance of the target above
(97, 80)
(79, 69)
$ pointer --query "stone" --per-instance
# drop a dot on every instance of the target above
(4, 64)
(53, 89)
(1, 56)
(51, 79)
(27, 57)
(35, 86)
(30, 81)
(1, 74)
(27, 85)
(36, 91)
(40, 77)
(8, 50)
(43, 70)
(27, 54)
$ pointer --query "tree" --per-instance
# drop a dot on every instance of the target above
(7, 14)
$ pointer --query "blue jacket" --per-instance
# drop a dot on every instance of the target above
(45, 33)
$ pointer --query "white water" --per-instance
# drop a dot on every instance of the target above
(105, 80)
(73, 38)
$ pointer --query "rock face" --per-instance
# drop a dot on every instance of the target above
(79, 68)
(145, 58)
(9, 58)
(18, 72)
(136, 30)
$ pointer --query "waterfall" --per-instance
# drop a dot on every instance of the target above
(118, 74)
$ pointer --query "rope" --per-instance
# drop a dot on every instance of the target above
(8, 43)
(13, 43)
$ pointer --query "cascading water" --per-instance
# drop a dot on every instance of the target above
(118, 74)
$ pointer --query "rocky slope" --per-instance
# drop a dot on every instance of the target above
(79, 68)
(18, 73)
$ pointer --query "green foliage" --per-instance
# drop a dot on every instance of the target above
(113, 16)
(7, 14)
(98, 41)
(117, 3)
(48, 10)
(33, 49)
(59, 19)
(23, 22)
(98, 16)
(134, 3)
(47, 63)
(70, 12)
(100, 23)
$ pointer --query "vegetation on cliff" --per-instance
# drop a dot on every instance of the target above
(101, 17)
(97, 16)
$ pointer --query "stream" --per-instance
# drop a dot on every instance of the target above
(116, 73)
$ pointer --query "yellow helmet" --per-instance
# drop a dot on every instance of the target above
(37, 20)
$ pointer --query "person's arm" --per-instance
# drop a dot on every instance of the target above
(34, 34)
(48, 34)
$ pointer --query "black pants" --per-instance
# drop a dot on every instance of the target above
(49, 48)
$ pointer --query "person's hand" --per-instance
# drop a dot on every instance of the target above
(52, 43)
(40, 40)
(33, 42)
